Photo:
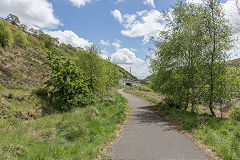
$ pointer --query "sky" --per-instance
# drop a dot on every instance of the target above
(121, 29)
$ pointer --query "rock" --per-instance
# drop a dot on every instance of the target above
(109, 99)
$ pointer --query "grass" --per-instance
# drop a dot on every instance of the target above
(221, 135)
(144, 88)
(146, 98)
(140, 88)
(78, 134)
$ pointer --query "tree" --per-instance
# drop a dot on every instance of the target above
(5, 34)
(190, 66)
(67, 86)
(13, 19)
(33, 31)
(20, 39)
(102, 74)
(23, 27)
(49, 42)
(90, 63)
(178, 56)
(218, 38)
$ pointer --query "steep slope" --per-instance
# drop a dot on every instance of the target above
(28, 65)
(22, 66)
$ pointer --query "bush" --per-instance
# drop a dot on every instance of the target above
(144, 88)
(67, 86)
(235, 113)
(5, 34)
(20, 39)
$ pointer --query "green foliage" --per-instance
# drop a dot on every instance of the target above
(48, 41)
(144, 88)
(67, 85)
(33, 31)
(235, 113)
(106, 74)
(23, 27)
(5, 34)
(190, 66)
(79, 134)
(20, 39)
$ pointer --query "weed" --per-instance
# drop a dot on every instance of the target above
(78, 134)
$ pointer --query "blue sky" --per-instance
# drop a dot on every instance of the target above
(94, 21)
(119, 28)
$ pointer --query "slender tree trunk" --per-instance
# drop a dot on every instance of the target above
(212, 89)
(187, 102)
(193, 100)
(212, 68)
(211, 108)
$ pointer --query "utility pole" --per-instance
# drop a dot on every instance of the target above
(125, 64)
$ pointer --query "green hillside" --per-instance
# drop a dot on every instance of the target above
(27, 65)
(52, 97)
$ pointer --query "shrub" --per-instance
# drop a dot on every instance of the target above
(67, 86)
(20, 39)
(235, 113)
(144, 88)
(5, 34)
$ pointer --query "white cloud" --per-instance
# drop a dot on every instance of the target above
(233, 16)
(231, 13)
(80, 3)
(119, 1)
(144, 24)
(104, 54)
(69, 37)
(149, 2)
(139, 67)
(117, 15)
(235, 51)
(38, 13)
(104, 43)
(116, 44)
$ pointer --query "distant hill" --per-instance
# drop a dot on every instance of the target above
(235, 62)
(146, 80)
(126, 74)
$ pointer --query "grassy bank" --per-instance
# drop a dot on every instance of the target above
(79, 134)
(146, 98)
(220, 135)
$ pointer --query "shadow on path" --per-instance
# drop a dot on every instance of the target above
(148, 137)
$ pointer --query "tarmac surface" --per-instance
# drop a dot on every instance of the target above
(148, 137)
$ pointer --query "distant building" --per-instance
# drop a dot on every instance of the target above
(130, 82)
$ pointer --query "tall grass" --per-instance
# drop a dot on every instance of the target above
(78, 134)
(144, 88)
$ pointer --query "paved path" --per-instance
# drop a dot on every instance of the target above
(148, 137)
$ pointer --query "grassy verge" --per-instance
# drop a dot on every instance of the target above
(79, 134)
(221, 135)
(146, 98)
